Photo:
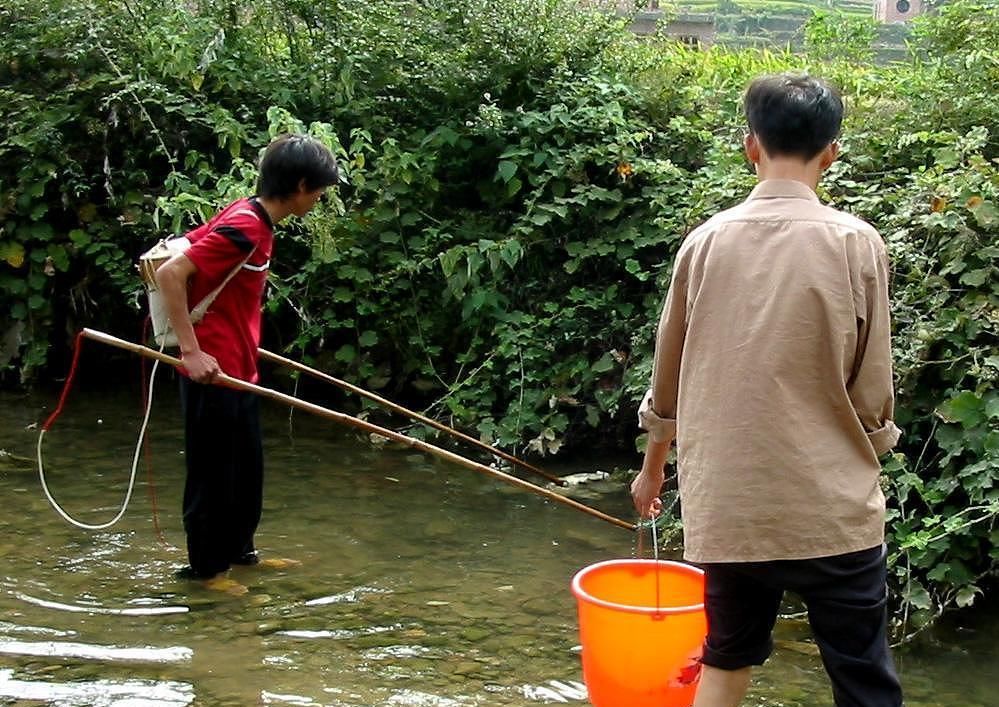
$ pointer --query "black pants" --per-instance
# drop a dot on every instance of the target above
(846, 597)
(223, 493)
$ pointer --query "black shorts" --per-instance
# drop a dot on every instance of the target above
(846, 597)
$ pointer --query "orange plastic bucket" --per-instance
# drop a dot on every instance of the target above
(641, 639)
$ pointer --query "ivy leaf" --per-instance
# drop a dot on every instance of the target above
(506, 170)
(363, 275)
(448, 135)
(346, 354)
(966, 595)
(511, 252)
(13, 253)
(986, 213)
(976, 278)
(918, 596)
(558, 209)
(60, 257)
(41, 231)
(79, 237)
(605, 364)
(991, 444)
(947, 157)
(939, 572)
(992, 407)
(449, 260)
(965, 407)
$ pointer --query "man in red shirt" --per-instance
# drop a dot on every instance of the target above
(224, 487)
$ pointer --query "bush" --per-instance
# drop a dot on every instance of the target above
(519, 174)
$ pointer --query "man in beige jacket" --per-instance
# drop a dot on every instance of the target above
(773, 374)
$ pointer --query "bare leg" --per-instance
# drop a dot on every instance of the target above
(722, 688)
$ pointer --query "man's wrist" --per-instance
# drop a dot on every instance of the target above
(654, 473)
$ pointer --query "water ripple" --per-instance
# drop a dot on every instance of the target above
(413, 698)
(391, 652)
(556, 691)
(7, 627)
(77, 608)
(98, 693)
(65, 649)
(348, 597)
(339, 633)
(270, 698)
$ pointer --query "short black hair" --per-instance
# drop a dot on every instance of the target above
(288, 160)
(793, 115)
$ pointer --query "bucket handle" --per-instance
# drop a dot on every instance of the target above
(657, 615)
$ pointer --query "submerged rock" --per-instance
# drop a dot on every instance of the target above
(585, 478)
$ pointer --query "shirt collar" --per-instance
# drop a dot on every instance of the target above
(783, 189)
(261, 211)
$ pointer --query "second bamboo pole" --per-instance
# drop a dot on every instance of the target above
(292, 401)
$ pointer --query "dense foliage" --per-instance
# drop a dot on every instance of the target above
(517, 177)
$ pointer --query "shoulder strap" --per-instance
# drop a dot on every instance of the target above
(198, 313)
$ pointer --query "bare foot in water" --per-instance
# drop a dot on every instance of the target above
(278, 563)
(226, 585)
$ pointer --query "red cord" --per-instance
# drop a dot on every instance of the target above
(77, 345)
(68, 385)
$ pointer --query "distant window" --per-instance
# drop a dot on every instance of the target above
(902, 6)
(692, 40)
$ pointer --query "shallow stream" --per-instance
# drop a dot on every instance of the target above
(421, 583)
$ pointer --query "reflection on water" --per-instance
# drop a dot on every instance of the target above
(98, 693)
(61, 649)
(127, 611)
(422, 584)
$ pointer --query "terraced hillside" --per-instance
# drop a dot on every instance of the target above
(802, 8)
(779, 23)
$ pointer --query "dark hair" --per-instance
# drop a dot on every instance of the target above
(288, 160)
(793, 114)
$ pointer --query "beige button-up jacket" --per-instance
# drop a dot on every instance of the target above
(773, 373)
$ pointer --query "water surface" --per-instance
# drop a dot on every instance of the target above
(421, 583)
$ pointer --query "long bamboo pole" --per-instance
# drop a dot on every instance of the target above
(292, 401)
(395, 407)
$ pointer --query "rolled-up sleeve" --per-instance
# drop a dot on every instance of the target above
(871, 387)
(657, 413)
(661, 429)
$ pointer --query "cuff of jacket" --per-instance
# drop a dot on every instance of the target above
(885, 438)
(660, 429)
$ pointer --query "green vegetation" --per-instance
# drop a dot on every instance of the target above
(519, 174)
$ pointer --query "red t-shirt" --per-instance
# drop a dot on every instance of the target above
(230, 329)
